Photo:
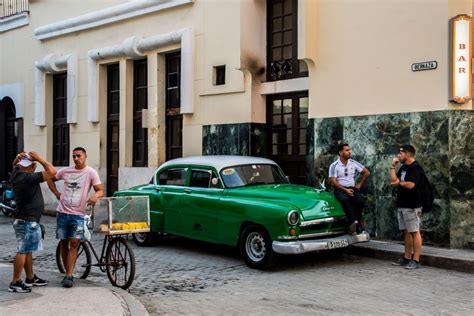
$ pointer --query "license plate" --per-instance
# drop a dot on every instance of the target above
(338, 244)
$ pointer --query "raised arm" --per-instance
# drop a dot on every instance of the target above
(394, 181)
(49, 171)
(19, 157)
(364, 174)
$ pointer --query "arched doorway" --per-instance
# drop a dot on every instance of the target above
(11, 131)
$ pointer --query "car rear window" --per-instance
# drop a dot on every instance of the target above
(173, 177)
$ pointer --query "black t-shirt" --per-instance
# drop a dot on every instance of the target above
(409, 198)
(28, 196)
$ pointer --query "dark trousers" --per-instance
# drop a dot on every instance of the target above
(352, 205)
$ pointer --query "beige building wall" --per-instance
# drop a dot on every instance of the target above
(364, 52)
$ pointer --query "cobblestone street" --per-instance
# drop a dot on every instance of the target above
(186, 277)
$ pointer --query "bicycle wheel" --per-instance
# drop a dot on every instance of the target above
(83, 261)
(120, 263)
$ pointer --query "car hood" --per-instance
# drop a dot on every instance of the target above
(312, 203)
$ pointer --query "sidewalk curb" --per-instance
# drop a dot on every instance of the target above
(385, 250)
(134, 306)
(129, 304)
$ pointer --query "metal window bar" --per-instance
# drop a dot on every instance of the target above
(12, 7)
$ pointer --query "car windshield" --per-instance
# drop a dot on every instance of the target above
(246, 175)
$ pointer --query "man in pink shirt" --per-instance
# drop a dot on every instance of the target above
(78, 180)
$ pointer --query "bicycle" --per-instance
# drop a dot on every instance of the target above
(116, 258)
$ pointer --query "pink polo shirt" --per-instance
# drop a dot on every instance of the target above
(77, 184)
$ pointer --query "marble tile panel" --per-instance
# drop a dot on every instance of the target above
(435, 226)
(392, 131)
(461, 133)
(258, 140)
(310, 171)
(436, 167)
(241, 139)
(360, 133)
(328, 132)
(210, 140)
(310, 137)
(429, 132)
(461, 177)
(462, 223)
(387, 224)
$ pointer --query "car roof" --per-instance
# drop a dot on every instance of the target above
(217, 161)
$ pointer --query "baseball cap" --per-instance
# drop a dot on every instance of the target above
(408, 149)
(25, 162)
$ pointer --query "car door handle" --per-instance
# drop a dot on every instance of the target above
(157, 189)
(187, 191)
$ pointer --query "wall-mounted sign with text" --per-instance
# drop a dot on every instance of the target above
(427, 65)
(461, 59)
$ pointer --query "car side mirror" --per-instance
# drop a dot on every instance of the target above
(287, 179)
(214, 181)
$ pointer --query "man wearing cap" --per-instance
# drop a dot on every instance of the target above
(409, 204)
(342, 174)
(30, 205)
(78, 180)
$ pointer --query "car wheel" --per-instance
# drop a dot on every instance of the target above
(147, 239)
(256, 247)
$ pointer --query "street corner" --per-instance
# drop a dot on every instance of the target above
(53, 298)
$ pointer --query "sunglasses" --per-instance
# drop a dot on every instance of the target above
(346, 172)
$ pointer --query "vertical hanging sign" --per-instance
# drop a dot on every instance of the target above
(461, 59)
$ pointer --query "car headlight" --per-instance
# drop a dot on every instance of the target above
(293, 217)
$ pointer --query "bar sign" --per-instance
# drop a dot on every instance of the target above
(427, 65)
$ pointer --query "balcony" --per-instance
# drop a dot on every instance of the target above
(13, 14)
(12, 7)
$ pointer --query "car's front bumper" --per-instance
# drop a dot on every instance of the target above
(303, 246)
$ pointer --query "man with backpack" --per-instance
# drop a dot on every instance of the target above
(410, 180)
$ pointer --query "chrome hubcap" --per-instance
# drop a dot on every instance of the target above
(255, 246)
(141, 237)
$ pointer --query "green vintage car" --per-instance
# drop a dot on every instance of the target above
(245, 202)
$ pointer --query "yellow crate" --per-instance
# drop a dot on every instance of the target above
(122, 215)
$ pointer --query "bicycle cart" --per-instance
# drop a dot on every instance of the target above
(115, 218)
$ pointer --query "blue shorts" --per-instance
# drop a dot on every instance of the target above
(70, 226)
(28, 236)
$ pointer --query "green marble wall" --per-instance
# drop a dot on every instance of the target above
(445, 147)
(246, 139)
(444, 143)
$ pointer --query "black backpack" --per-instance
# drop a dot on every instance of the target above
(426, 193)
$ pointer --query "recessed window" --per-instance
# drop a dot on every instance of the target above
(60, 125)
(219, 75)
(282, 45)
(140, 102)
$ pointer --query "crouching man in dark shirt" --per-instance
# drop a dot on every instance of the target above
(30, 205)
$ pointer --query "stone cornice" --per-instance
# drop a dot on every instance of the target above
(106, 16)
(14, 21)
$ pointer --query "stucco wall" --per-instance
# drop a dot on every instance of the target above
(364, 54)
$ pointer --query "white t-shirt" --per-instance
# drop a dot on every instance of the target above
(77, 184)
(345, 174)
